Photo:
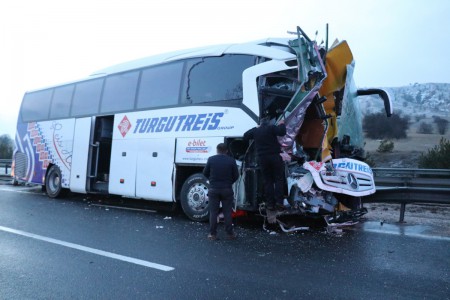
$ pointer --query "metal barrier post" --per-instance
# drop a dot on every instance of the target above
(402, 213)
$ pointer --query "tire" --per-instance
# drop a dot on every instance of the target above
(194, 198)
(53, 183)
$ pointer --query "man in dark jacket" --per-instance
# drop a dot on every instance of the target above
(268, 151)
(222, 172)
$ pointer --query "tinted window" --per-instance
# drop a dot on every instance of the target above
(215, 78)
(160, 86)
(87, 97)
(62, 98)
(36, 105)
(119, 92)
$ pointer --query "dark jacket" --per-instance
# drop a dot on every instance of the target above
(265, 136)
(221, 170)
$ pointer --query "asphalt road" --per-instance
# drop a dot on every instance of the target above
(80, 248)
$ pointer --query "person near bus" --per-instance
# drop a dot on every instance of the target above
(268, 151)
(222, 172)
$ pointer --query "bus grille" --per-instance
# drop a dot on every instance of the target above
(21, 163)
(349, 181)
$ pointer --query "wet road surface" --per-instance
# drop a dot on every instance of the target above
(78, 247)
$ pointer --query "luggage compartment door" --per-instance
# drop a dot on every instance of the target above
(155, 163)
(122, 172)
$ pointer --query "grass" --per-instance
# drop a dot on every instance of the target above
(406, 151)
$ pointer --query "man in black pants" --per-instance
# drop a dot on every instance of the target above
(222, 172)
(268, 151)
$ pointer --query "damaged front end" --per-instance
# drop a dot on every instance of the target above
(323, 147)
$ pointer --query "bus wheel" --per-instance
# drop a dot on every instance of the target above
(194, 198)
(53, 182)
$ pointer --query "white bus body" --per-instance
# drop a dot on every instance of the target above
(145, 129)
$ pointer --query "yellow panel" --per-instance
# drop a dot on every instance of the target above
(337, 60)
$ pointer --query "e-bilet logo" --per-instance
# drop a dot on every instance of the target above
(124, 126)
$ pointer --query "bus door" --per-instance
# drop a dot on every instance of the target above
(80, 154)
(100, 154)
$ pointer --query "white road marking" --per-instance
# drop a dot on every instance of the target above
(88, 249)
(27, 190)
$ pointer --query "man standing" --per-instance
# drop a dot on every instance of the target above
(268, 151)
(222, 172)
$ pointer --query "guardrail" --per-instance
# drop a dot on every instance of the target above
(5, 163)
(394, 185)
(406, 186)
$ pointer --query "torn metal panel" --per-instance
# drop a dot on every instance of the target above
(295, 120)
(311, 74)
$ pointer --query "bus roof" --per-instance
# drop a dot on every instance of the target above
(273, 48)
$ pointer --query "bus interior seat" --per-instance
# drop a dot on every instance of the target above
(104, 130)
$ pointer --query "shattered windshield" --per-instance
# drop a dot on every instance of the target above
(350, 123)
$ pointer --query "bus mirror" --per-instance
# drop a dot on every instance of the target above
(382, 94)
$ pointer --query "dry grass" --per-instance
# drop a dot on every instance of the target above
(407, 151)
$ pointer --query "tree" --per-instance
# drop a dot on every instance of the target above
(425, 128)
(441, 124)
(6, 147)
(418, 98)
(420, 117)
(436, 158)
(378, 126)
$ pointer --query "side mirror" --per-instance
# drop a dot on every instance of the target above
(384, 95)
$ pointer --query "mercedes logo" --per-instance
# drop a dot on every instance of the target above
(352, 181)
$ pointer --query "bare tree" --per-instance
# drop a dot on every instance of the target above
(6, 146)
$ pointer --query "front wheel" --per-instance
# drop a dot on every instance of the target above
(53, 184)
(194, 198)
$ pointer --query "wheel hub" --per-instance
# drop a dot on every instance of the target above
(198, 197)
(54, 182)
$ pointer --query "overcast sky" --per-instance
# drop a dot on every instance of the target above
(45, 42)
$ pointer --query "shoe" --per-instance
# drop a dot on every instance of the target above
(212, 237)
(231, 236)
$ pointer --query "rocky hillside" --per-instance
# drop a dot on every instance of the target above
(421, 102)
(416, 99)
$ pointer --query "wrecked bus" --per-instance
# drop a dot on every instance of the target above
(144, 129)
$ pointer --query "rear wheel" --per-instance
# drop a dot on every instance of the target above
(53, 184)
(194, 198)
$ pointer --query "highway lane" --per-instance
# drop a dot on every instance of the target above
(78, 248)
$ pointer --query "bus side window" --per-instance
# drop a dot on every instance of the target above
(62, 98)
(36, 105)
(160, 86)
(213, 79)
(119, 92)
(86, 99)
